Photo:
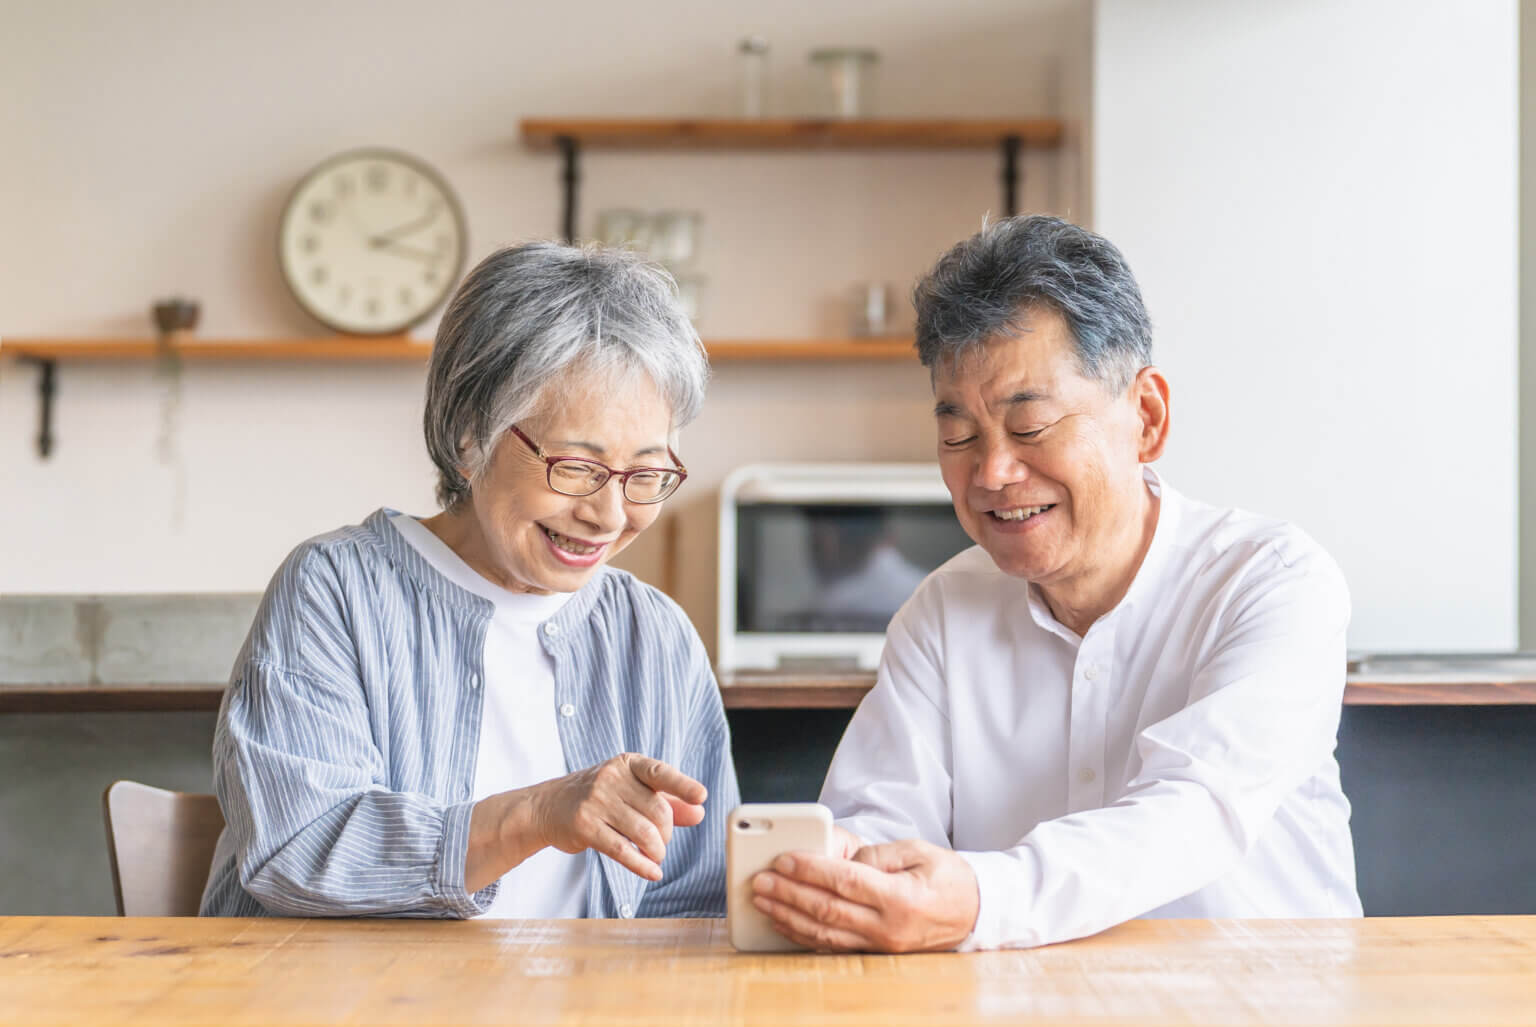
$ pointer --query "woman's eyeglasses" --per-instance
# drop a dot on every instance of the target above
(574, 476)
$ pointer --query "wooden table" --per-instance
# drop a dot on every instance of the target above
(92, 970)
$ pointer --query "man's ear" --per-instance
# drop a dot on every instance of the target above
(1150, 392)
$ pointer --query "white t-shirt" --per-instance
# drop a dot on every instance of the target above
(519, 741)
(1175, 761)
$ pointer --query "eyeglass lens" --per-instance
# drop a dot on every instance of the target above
(580, 478)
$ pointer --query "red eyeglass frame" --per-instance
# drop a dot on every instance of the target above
(613, 472)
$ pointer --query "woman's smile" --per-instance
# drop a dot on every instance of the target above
(573, 551)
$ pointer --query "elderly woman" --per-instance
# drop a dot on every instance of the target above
(471, 714)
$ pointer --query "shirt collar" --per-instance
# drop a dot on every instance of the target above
(397, 549)
(1169, 512)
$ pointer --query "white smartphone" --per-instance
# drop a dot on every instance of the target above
(755, 835)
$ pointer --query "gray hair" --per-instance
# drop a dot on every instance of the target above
(988, 284)
(528, 314)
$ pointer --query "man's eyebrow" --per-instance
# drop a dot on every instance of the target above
(1027, 396)
(944, 408)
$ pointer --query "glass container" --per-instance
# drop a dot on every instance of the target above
(754, 76)
(849, 79)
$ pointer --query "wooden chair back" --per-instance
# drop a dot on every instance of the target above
(160, 844)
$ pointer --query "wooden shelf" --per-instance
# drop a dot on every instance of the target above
(47, 354)
(381, 350)
(332, 348)
(790, 133)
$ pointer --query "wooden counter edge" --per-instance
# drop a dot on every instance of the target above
(738, 691)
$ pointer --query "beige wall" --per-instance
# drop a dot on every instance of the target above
(149, 148)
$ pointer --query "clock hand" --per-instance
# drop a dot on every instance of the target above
(402, 250)
(415, 224)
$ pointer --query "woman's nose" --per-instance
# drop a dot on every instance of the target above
(605, 508)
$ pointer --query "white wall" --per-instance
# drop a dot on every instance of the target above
(1319, 199)
(149, 148)
(1527, 361)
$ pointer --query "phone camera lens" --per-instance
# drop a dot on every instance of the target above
(742, 825)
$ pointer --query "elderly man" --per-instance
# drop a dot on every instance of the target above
(1122, 702)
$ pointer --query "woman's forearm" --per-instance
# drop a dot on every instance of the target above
(502, 833)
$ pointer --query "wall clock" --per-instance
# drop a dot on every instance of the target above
(371, 241)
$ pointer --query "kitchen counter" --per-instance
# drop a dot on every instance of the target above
(1409, 680)
(172, 653)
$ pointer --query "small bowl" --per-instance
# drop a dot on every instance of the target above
(175, 315)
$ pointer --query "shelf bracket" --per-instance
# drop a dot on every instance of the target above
(47, 385)
(569, 177)
(1010, 175)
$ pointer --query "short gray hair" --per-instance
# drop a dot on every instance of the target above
(526, 315)
(988, 284)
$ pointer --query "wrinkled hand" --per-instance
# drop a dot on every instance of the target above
(845, 843)
(624, 808)
(907, 896)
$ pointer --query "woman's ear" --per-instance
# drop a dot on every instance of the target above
(1151, 394)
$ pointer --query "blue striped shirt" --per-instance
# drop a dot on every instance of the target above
(344, 756)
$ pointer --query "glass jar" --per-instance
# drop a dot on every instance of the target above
(849, 79)
(754, 76)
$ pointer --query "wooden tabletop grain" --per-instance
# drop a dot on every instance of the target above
(92, 970)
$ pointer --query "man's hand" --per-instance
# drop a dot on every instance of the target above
(845, 843)
(906, 896)
(624, 808)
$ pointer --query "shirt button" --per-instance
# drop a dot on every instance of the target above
(626, 911)
(1086, 775)
(551, 629)
(474, 680)
(1091, 671)
(567, 710)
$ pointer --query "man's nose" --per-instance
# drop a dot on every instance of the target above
(998, 465)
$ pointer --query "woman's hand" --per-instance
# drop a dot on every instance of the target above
(624, 808)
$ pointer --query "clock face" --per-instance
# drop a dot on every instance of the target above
(371, 242)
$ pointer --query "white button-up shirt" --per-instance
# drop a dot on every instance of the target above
(1176, 761)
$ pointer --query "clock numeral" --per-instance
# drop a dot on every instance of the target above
(378, 178)
(318, 275)
(406, 296)
(410, 185)
(319, 212)
(345, 294)
(311, 243)
(344, 185)
(373, 307)
(429, 276)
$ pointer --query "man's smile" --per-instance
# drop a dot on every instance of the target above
(1020, 513)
